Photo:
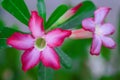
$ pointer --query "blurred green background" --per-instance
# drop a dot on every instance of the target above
(84, 66)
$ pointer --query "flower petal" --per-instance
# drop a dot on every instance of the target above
(88, 24)
(96, 45)
(107, 29)
(108, 42)
(80, 34)
(20, 41)
(50, 58)
(36, 25)
(56, 37)
(100, 14)
(30, 58)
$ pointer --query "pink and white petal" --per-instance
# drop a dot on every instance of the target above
(107, 29)
(20, 41)
(80, 34)
(30, 58)
(88, 24)
(36, 24)
(100, 14)
(50, 58)
(56, 37)
(108, 42)
(96, 45)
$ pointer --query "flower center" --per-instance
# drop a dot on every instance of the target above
(98, 30)
(40, 43)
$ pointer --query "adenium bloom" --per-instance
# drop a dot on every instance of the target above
(38, 46)
(100, 30)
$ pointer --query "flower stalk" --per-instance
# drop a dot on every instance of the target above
(45, 73)
(80, 34)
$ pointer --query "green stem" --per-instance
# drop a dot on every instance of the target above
(41, 71)
(44, 73)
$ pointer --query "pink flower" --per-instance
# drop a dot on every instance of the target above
(100, 30)
(40, 45)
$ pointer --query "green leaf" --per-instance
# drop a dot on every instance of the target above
(77, 48)
(0, 2)
(5, 32)
(64, 58)
(1, 23)
(59, 11)
(118, 35)
(3, 43)
(85, 11)
(45, 73)
(18, 9)
(106, 53)
(41, 9)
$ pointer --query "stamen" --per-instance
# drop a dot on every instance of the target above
(40, 43)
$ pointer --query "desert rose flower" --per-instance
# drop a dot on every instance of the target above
(100, 30)
(39, 45)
